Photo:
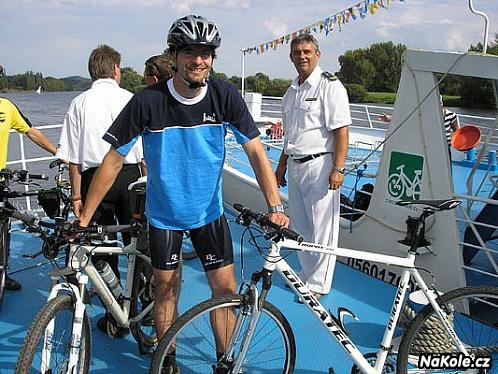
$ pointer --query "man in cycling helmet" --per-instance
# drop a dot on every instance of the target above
(183, 122)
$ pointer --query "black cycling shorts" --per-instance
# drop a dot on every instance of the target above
(212, 242)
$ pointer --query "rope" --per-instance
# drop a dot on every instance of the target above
(432, 337)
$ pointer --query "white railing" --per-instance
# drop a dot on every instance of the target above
(365, 116)
(35, 165)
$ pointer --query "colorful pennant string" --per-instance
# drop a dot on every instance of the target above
(361, 9)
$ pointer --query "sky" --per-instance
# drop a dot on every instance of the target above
(55, 37)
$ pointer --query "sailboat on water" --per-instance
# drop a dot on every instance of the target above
(39, 90)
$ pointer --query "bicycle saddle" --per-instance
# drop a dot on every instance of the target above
(432, 204)
(140, 183)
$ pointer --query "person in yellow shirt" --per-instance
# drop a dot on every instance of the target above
(12, 118)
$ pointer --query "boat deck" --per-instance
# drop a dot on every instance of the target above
(367, 297)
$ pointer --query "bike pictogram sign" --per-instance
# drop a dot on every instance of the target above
(405, 176)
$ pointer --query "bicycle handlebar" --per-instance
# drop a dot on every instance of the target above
(66, 228)
(263, 220)
(29, 219)
(98, 232)
(21, 175)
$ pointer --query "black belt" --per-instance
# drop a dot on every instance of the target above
(309, 158)
(93, 169)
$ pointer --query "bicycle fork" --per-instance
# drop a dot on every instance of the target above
(252, 310)
(77, 326)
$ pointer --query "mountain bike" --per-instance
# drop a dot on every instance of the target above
(245, 333)
(59, 338)
(6, 177)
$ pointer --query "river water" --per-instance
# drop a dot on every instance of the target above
(49, 108)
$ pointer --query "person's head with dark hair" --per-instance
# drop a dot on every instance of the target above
(305, 38)
(304, 54)
(157, 68)
(104, 62)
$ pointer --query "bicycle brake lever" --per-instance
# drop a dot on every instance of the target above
(243, 220)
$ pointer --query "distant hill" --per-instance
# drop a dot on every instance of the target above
(78, 83)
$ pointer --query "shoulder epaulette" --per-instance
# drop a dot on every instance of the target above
(329, 76)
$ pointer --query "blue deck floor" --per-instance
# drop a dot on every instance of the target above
(368, 298)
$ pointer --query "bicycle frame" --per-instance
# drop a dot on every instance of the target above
(80, 261)
(334, 325)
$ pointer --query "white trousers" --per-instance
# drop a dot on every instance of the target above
(314, 213)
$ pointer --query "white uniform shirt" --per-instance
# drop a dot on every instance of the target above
(310, 111)
(89, 116)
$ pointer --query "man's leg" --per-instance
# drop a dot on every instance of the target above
(222, 282)
(320, 213)
(166, 295)
(213, 244)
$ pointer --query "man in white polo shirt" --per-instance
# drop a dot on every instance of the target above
(315, 118)
(89, 116)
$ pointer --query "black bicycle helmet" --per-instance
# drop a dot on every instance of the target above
(191, 30)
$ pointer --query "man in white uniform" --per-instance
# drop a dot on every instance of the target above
(315, 118)
(88, 118)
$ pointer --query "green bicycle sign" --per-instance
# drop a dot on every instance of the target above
(405, 176)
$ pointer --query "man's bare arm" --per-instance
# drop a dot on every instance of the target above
(41, 140)
(341, 141)
(75, 179)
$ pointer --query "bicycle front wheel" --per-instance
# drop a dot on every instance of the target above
(35, 357)
(474, 316)
(203, 342)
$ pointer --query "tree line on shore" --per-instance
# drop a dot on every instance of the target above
(364, 70)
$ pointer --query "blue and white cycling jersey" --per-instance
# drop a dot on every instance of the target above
(184, 148)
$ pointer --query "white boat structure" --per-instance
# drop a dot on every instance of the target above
(414, 152)
(39, 90)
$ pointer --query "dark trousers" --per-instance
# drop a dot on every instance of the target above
(115, 205)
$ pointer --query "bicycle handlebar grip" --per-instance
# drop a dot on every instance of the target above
(238, 207)
(263, 220)
(38, 176)
(291, 234)
(116, 228)
(28, 219)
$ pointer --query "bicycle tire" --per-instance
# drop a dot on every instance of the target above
(29, 358)
(198, 356)
(188, 251)
(4, 255)
(142, 295)
(474, 308)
